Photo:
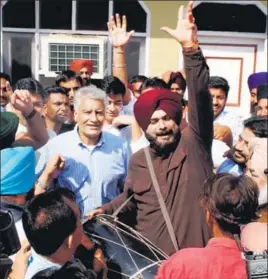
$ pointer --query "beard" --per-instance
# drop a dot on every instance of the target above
(164, 149)
(86, 81)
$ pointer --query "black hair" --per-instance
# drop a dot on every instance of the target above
(67, 75)
(177, 78)
(231, 200)
(219, 83)
(113, 86)
(32, 85)
(154, 83)
(5, 76)
(55, 90)
(138, 78)
(48, 220)
(258, 125)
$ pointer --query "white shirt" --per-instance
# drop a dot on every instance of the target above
(233, 121)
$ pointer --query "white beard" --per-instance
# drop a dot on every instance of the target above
(263, 195)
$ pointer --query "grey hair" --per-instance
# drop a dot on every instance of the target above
(91, 92)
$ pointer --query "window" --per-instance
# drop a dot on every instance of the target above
(56, 14)
(230, 17)
(20, 14)
(135, 14)
(61, 55)
(92, 15)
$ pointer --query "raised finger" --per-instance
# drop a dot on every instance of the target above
(112, 22)
(124, 25)
(180, 13)
(118, 20)
(190, 18)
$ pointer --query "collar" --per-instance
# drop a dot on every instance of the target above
(77, 140)
(222, 242)
(222, 114)
(15, 209)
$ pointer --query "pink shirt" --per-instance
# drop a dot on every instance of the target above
(220, 259)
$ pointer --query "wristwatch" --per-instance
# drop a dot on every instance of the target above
(30, 115)
(41, 185)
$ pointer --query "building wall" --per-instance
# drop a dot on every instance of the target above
(163, 51)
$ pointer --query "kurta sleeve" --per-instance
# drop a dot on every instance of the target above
(200, 113)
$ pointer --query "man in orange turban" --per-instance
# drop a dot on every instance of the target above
(84, 68)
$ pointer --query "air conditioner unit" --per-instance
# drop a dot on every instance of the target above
(58, 51)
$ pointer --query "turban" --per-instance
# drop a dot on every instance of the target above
(256, 79)
(262, 92)
(164, 99)
(17, 170)
(78, 64)
(254, 237)
(8, 128)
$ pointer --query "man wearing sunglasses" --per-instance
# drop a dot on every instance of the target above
(70, 82)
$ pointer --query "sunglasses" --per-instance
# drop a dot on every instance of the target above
(72, 88)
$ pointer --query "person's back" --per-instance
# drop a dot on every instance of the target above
(220, 259)
(229, 201)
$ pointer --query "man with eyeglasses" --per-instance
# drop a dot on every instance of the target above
(84, 68)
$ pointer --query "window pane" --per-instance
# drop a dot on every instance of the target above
(66, 53)
(92, 15)
(230, 17)
(56, 14)
(136, 15)
(20, 14)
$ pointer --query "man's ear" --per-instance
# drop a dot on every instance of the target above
(69, 241)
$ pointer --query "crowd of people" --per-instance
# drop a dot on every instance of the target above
(192, 175)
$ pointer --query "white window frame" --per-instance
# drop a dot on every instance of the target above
(38, 32)
(224, 34)
(58, 39)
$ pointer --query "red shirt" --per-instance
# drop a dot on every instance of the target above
(220, 259)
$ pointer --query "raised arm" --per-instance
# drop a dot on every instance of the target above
(200, 113)
(119, 38)
(37, 135)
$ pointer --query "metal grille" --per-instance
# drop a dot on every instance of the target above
(61, 55)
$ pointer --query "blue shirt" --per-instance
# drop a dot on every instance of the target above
(38, 263)
(93, 173)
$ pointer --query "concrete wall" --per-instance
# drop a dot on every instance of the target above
(164, 51)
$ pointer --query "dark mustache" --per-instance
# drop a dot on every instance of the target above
(165, 133)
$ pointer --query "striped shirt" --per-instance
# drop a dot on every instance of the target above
(93, 173)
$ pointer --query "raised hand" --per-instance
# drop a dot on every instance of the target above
(186, 30)
(55, 164)
(21, 100)
(118, 34)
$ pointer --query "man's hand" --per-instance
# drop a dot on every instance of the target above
(55, 164)
(186, 30)
(123, 120)
(95, 212)
(20, 264)
(21, 100)
(223, 133)
(118, 34)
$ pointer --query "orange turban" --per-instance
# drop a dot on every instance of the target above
(78, 64)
